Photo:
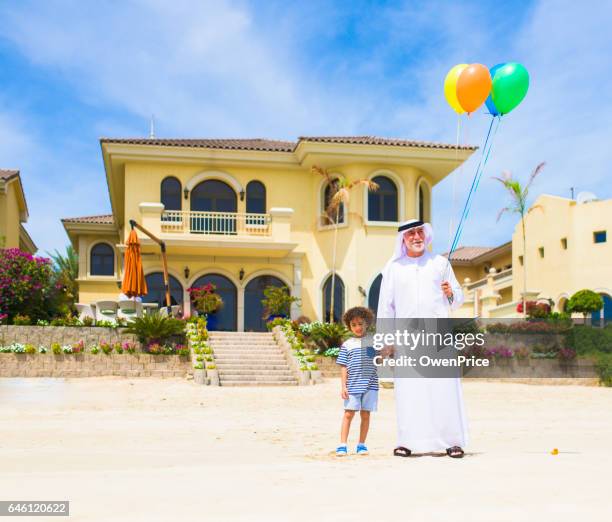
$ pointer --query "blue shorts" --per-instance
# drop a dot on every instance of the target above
(367, 401)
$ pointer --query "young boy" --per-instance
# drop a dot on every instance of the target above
(359, 378)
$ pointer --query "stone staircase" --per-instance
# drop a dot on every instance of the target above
(250, 359)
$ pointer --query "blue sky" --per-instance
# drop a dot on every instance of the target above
(75, 71)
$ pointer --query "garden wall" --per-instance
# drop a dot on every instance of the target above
(90, 365)
(64, 335)
(328, 366)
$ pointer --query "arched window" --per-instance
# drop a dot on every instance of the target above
(423, 208)
(605, 314)
(255, 197)
(227, 315)
(102, 262)
(156, 291)
(383, 204)
(374, 293)
(171, 193)
(331, 216)
(254, 319)
(338, 299)
(216, 197)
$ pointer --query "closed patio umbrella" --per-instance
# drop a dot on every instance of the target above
(134, 284)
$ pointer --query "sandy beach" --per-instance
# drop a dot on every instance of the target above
(146, 449)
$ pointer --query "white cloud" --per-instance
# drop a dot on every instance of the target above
(221, 68)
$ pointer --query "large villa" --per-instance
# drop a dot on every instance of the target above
(248, 213)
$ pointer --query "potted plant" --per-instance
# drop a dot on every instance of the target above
(315, 374)
(199, 373)
(207, 301)
(212, 373)
(304, 375)
(277, 302)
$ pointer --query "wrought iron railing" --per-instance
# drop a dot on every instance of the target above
(216, 223)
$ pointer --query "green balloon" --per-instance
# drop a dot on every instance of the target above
(510, 85)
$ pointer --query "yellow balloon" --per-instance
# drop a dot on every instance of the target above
(450, 87)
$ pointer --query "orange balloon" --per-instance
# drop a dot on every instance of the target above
(473, 86)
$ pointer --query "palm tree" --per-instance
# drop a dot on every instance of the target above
(341, 189)
(518, 205)
(66, 269)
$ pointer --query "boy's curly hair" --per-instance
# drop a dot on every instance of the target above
(358, 312)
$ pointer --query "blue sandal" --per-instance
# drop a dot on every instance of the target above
(362, 449)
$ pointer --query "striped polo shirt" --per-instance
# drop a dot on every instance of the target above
(362, 374)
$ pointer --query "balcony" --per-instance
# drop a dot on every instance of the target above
(216, 223)
(219, 233)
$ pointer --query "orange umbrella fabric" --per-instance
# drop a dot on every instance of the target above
(134, 284)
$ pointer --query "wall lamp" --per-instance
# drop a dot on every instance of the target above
(241, 274)
(186, 193)
(186, 271)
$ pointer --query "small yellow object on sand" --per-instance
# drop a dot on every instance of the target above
(555, 451)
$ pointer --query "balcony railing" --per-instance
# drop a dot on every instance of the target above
(499, 279)
(216, 223)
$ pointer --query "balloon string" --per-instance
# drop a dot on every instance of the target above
(451, 221)
(481, 166)
(476, 180)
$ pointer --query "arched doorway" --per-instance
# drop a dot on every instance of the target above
(157, 292)
(604, 316)
(227, 316)
(338, 299)
(374, 293)
(217, 196)
(253, 309)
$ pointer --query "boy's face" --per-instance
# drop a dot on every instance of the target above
(358, 326)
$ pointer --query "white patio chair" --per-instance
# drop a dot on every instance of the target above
(175, 310)
(106, 310)
(85, 310)
(129, 309)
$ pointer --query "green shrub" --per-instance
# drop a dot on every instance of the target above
(277, 300)
(278, 321)
(156, 329)
(327, 335)
(604, 369)
(22, 320)
(587, 340)
(584, 302)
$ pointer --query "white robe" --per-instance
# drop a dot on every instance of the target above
(430, 411)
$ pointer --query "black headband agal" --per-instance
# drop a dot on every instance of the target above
(410, 225)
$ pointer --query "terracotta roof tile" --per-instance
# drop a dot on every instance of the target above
(375, 140)
(7, 174)
(469, 253)
(279, 145)
(104, 219)
(232, 144)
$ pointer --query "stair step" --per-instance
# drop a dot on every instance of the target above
(254, 335)
(237, 374)
(244, 351)
(258, 383)
(257, 378)
(262, 365)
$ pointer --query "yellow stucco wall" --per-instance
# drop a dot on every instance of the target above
(362, 248)
(561, 272)
(10, 215)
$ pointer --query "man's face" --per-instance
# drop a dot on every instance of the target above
(414, 239)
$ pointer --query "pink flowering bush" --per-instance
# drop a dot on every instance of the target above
(26, 286)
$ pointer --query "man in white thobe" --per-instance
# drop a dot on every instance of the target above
(418, 284)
